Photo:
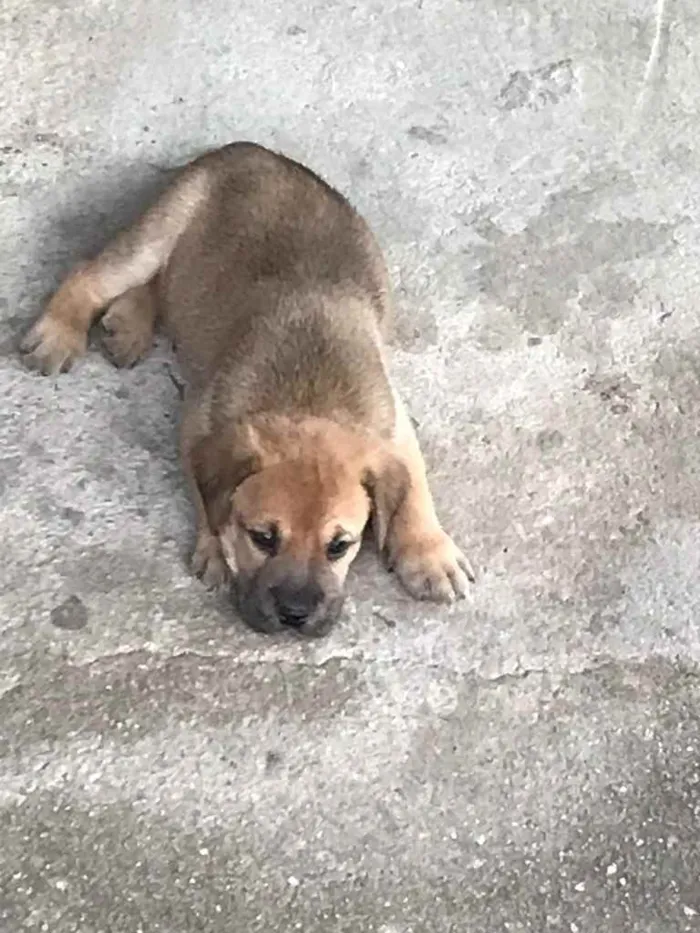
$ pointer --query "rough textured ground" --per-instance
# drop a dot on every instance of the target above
(528, 760)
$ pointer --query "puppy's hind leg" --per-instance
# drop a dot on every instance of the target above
(131, 261)
(128, 326)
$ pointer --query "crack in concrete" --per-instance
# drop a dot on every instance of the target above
(655, 70)
(157, 662)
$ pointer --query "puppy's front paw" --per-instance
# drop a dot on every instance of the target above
(52, 346)
(208, 562)
(431, 566)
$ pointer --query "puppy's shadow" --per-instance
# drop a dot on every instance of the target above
(99, 206)
(91, 210)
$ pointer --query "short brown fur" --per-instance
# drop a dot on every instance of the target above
(277, 299)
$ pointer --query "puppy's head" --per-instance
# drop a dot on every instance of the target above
(290, 504)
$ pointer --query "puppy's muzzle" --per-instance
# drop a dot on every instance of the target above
(296, 605)
(282, 597)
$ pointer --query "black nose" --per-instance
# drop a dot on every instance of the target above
(295, 605)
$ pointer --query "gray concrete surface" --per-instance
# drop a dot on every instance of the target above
(528, 760)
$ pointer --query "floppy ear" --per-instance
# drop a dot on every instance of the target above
(220, 462)
(387, 485)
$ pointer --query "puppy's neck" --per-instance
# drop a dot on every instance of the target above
(289, 437)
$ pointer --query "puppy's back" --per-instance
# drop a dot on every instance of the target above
(279, 280)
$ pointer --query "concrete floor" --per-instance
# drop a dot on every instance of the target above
(528, 760)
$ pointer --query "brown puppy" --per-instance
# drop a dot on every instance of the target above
(276, 297)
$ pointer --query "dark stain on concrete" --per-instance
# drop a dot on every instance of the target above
(70, 615)
(548, 441)
(616, 390)
(72, 516)
(612, 845)
(9, 467)
(134, 695)
(563, 253)
(427, 135)
(538, 88)
(617, 839)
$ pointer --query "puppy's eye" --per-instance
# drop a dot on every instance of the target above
(338, 547)
(265, 539)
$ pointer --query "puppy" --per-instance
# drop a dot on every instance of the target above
(276, 297)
